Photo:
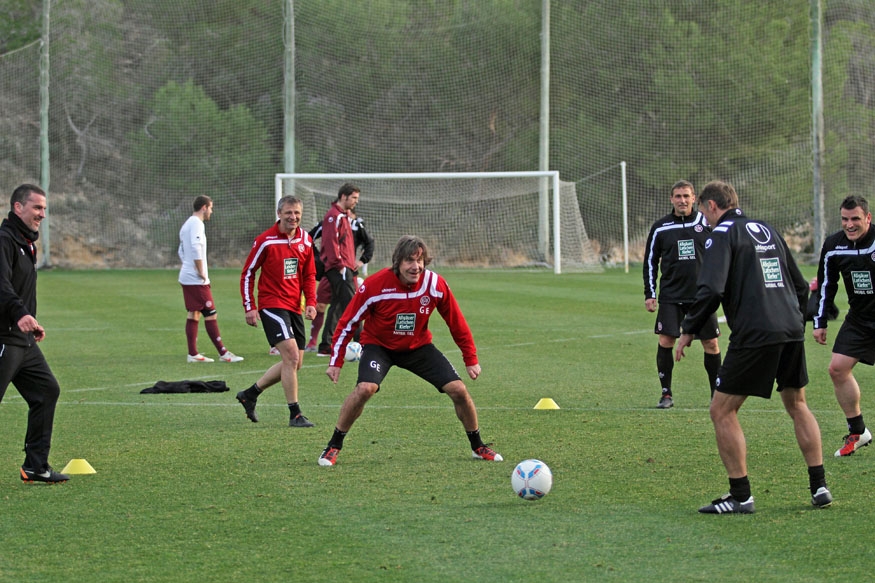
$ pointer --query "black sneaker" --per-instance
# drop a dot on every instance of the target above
(726, 504)
(248, 406)
(300, 421)
(49, 476)
(822, 498)
(665, 402)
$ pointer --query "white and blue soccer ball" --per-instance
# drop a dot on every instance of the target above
(531, 479)
(353, 352)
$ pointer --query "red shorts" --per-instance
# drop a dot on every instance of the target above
(199, 298)
(323, 291)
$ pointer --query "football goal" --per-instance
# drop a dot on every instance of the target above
(468, 219)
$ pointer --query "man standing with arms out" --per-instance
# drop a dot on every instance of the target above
(849, 253)
(676, 243)
(338, 256)
(284, 254)
(749, 267)
(195, 281)
(397, 303)
(21, 361)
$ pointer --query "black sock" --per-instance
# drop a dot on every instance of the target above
(337, 439)
(739, 488)
(474, 438)
(816, 478)
(712, 365)
(664, 366)
(294, 409)
(856, 425)
(252, 392)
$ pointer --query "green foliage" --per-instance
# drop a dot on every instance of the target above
(204, 149)
(187, 489)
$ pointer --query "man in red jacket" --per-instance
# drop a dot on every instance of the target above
(397, 303)
(284, 254)
(338, 256)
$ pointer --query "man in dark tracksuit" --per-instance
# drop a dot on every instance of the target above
(749, 268)
(675, 245)
(21, 361)
(848, 255)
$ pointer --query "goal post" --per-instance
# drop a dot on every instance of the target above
(469, 219)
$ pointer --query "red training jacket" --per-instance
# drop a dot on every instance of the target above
(287, 270)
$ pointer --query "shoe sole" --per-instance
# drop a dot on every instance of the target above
(28, 480)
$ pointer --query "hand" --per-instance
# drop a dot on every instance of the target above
(473, 371)
(29, 324)
(650, 304)
(310, 312)
(333, 373)
(684, 341)
(820, 335)
(252, 318)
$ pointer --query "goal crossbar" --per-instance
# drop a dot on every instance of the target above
(551, 182)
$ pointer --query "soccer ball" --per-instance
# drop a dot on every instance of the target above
(353, 352)
(531, 479)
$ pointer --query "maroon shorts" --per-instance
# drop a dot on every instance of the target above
(323, 291)
(199, 298)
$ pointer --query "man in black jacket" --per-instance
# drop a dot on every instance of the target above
(848, 255)
(21, 361)
(750, 269)
(675, 246)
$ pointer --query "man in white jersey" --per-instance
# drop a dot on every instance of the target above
(195, 280)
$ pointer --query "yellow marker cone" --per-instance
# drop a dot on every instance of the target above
(78, 466)
(546, 404)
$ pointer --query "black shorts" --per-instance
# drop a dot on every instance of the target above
(670, 316)
(280, 324)
(855, 341)
(426, 362)
(753, 371)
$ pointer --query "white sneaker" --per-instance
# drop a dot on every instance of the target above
(274, 351)
(230, 357)
(199, 358)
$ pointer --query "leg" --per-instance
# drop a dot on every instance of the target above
(730, 438)
(342, 291)
(39, 388)
(805, 425)
(664, 368)
(354, 404)
(191, 328)
(847, 391)
(211, 323)
(316, 325)
(712, 361)
(465, 410)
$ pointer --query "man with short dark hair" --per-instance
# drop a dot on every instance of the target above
(848, 254)
(21, 361)
(397, 303)
(675, 246)
(749, 268)
(194, 277)
(338, 256)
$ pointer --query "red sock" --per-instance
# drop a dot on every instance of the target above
(315, 327)
(212, 327)
(191, 336)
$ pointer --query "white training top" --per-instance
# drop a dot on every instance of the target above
(192, 245)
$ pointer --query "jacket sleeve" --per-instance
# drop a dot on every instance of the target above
(330, 243)
(247, 277)
(651, 264)
(450, 311)
(11, 304)
(800, 285)
(364, 240)
(828, 281)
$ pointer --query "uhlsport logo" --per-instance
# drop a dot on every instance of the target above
(761, 235)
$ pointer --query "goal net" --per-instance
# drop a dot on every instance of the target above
(468, 219)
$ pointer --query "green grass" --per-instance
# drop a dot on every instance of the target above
(187, 489)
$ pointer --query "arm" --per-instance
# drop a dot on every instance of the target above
(452, 314)
(247, 283)
(651, 269)
(364, 240)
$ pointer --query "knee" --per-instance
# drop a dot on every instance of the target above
(457, 391)
(838, 372)
(365, 391)
(711, 346)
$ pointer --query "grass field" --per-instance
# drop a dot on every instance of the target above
(187, 489)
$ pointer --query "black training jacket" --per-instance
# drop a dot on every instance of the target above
(17, 283)
(675, 245)
(748, 267)
(853, 261)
